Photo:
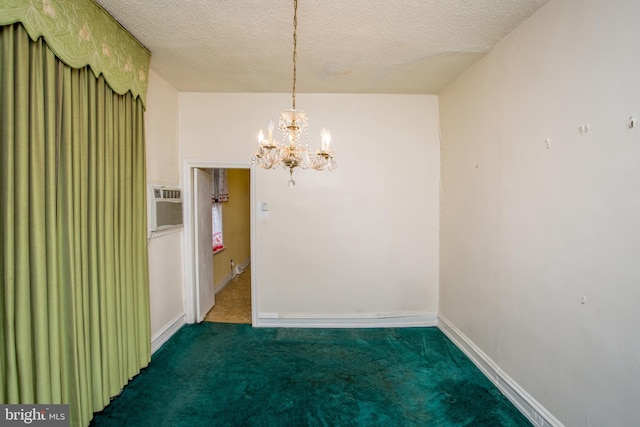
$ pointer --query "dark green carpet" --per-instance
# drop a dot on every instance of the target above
(214, 374)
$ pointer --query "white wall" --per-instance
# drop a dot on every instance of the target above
(360, 241)
(527, 231)
(165, 250)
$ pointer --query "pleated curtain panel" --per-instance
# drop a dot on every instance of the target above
(74, 297)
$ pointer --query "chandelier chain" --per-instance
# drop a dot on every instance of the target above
(295, 50)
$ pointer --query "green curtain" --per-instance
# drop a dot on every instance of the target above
(74, 293)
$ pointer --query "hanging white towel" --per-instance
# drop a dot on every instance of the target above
(216, 215)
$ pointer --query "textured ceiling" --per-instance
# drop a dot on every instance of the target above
(357, 46)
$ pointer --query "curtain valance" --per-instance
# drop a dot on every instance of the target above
(81, 33)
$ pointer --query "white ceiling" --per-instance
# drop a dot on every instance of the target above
(357, 46)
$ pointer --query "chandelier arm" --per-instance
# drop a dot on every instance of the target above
(295, 50)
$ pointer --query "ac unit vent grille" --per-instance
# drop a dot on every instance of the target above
(163, 193)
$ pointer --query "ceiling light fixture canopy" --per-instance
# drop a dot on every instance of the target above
(292, 150)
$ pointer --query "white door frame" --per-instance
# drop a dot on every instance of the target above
(190, 286)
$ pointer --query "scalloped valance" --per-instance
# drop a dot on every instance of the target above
(82, 33)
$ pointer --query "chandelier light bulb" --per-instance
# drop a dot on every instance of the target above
(326, 139)
(260, 137)
(270, 129)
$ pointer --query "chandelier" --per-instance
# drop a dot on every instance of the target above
(289, 148)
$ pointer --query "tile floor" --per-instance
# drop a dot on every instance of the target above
(233, 303)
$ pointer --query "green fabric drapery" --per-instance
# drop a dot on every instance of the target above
(81, 33)
(74, 295)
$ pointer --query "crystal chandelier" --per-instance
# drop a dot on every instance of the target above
(289, 148)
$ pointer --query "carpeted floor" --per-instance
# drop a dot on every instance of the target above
(216, 374)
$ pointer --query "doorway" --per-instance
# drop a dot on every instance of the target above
(233, 301)
(224, 270)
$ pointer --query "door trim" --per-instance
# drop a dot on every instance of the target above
(189, 262)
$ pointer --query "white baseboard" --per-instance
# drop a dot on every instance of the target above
(522, 400)
(365, 320)
(166, 332)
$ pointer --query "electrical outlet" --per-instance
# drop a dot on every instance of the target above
(537, 418)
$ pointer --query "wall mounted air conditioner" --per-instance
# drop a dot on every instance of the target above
(165, 207)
